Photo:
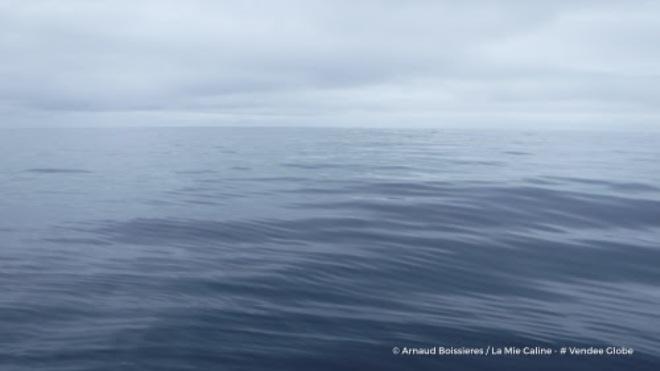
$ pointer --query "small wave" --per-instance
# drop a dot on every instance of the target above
(57, 171)
(620, 186)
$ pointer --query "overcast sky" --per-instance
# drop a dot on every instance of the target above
(566, 64)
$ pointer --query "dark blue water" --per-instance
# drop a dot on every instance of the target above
(321, 249)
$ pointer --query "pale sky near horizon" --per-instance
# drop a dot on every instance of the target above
(530, 64)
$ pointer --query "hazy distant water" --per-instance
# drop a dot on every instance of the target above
(321, 249)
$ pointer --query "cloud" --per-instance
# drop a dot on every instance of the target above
(369, 63)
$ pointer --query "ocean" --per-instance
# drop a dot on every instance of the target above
(327, 249)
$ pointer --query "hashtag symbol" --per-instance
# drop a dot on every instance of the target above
(562, 350)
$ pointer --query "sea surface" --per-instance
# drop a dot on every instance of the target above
(323, 249)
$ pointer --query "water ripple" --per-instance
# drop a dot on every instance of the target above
(198, 249)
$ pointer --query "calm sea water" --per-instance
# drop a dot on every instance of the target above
(322, 249)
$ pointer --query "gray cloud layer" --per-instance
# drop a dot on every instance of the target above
(363, 63)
